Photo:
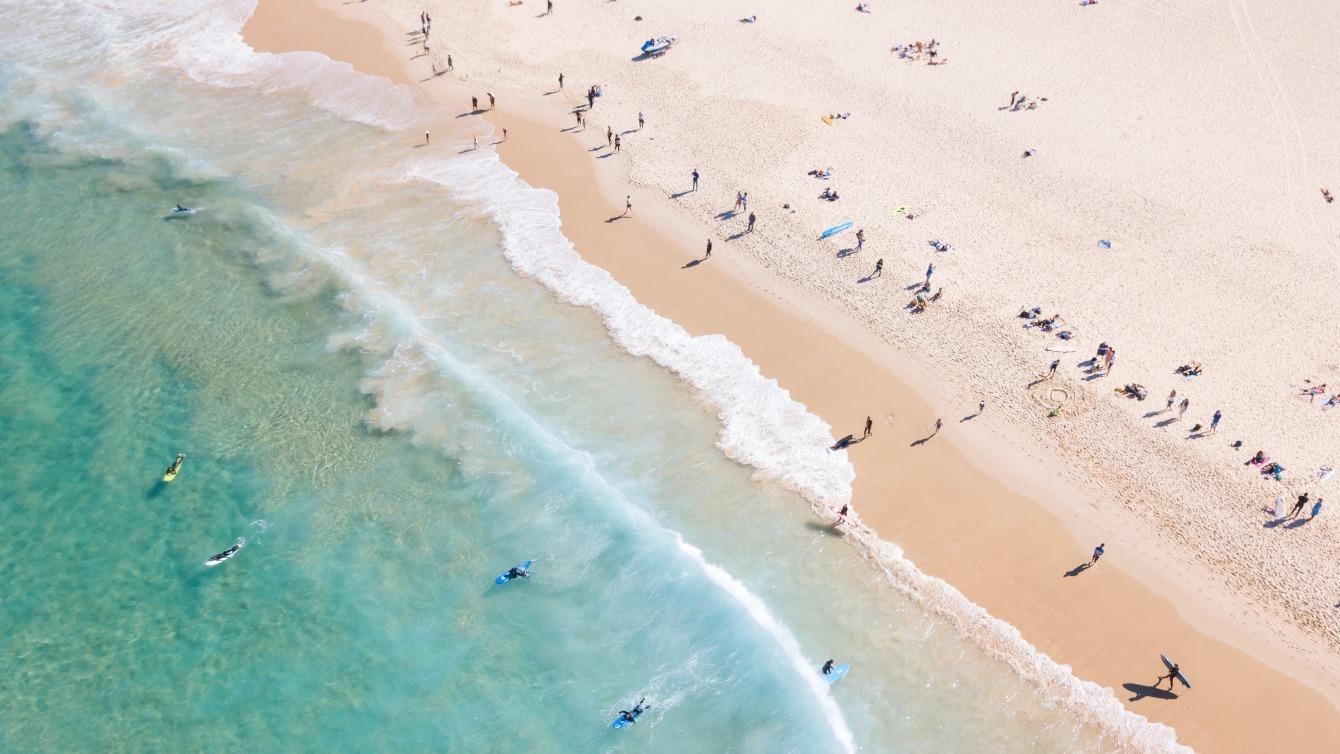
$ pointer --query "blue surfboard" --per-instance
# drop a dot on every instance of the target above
(504, 578)
(620, 722)
(836, 229)
(839, 672)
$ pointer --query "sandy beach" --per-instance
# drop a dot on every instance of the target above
(1176, 134)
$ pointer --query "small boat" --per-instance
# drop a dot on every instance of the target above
(218, 558)
(657, 46)
(172, 470)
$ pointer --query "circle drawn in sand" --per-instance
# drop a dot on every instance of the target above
(1071, 400)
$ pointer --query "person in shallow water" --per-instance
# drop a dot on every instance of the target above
(630, 716)
(516, 572)
(828, 667)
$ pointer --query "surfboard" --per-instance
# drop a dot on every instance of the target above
(1169, 665)
(1104, 244)
(836, 229)
(839, 672)
(1280, 505)
(826, 119)
(221, 557)
(620, 722)
(504, 578)
(1061, 349)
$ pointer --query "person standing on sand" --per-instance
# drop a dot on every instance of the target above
(744, 201)
(1051, 371)
(1108, 359)
(609, 136)
(750, 229)
(490, 94)
(1182, 407)
(427, 138)
(938, 424)
(475, 140)
(474, 103)
(1172, 398)
(695, 179)
(860, 238)
(504, 138)
(549, 7)
(869, 425)
(709, 249)
(930, 270)
(591, 98)
(641, 122)
(450, 66)
(1214, 421)
(1097, 553)
(560, 80)
(627, 206)
(879, 269)
(618, 143)
(1297, 507)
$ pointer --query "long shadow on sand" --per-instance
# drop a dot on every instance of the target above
(1147, 691)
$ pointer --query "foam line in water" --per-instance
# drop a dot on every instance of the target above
(759, 611)
(409, 330)
(761, 425)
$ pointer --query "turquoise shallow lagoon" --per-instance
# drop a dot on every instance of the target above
(389, 415)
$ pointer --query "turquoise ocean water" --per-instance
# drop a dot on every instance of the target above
(371, 396)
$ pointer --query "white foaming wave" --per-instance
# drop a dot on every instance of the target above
(412, 349)
(762, 426)
(1091, 703)
(782, 636)
(203, 40)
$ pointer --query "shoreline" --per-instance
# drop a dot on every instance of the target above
(1106, 626)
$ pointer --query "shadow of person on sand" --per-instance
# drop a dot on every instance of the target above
(1147, 691)
(1077, 570)
(693, 263)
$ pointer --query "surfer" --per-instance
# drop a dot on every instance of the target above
(172, 470)
(180, 208)
(630, 716)
(218, 558)
(1173, 670)
(828, 668)
(517, 572)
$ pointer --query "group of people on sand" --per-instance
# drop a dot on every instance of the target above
(928, 51)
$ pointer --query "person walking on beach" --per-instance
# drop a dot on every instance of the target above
(475, 139)
(1297, 507)
(627, 206)
(938, 424)
(1172, 673)
(842, 514)
(930, 270)
(1182, 407)
(427, 138)
(1051, 371)
(591, 98)
(1214, 421)
(548, 7)
(474, 103)
(695, 179)
(504, 138)
(709, 249)
(879, 269)
(869, 426)
(490, 94)
(641, 122)
(560, 80)
(750, 229)
(450, 65)
(1097, 553)
(618, 143)
(1172, 398)
(860, 238)
(609, 136)
(739, 199)
(744, 201)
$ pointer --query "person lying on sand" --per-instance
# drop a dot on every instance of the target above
(748, 19)
(1327, 196)
(1313, 392)
(1188, 370)
(829, 194)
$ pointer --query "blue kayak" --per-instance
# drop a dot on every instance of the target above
(836, 229)
(504, 578)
